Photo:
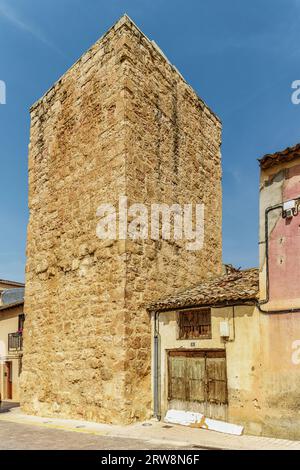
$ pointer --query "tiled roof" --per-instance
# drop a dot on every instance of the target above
(15, 304)
(10, 296)
(12, 283)
(286, 155)
(232, 287)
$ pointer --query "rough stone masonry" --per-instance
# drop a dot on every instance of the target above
(121, 121)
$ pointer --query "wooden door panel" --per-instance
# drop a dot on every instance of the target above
(195, 379)
(177, 382)
(216, 380)
(8, 376)
(186, 378)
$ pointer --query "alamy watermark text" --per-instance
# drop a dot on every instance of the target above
(296, 94)
(160, 221)
(2, 92)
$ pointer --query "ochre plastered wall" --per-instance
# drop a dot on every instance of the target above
(242, 358)
(263, 367)
(121, 121)
(9, 322)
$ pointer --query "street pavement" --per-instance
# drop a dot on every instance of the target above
(20, 431)
(16, 436)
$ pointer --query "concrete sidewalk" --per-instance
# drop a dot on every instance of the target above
(157, 433)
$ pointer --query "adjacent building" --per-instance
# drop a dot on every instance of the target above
(230, 347)
(280, 291)
(206, 346)
(11, 334)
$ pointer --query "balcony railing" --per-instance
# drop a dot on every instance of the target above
(15, 342)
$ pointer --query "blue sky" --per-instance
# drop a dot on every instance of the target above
(240, 56)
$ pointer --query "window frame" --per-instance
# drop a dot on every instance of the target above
(21, 321)
(192, 336)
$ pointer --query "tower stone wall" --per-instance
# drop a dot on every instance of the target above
(121, 122)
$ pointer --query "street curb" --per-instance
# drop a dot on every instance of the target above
(135, 434)
(183, 444)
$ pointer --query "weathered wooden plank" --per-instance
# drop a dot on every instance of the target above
(216, 380)
(193, 324)
(195, 379)
(177, 380)
(199, 378)
(197, 353)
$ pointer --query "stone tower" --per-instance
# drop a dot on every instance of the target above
(121, 122)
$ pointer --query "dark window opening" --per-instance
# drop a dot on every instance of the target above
(195, 324)
(21, 323)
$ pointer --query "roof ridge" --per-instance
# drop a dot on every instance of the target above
(12, 305)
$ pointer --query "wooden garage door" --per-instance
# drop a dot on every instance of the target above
(197, 381)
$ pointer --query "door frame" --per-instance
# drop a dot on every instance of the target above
(206, 353)
(8, 376)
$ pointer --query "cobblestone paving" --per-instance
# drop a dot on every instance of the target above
(15, 436)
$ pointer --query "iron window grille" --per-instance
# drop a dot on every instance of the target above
(15, 342)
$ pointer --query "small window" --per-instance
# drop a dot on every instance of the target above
(21, 322)
(194, 324)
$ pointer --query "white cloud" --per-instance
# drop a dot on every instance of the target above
(15, 18)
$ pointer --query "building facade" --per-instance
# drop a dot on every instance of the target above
(121, 122)
(207, 341)
(230, 348)
(11, 329)
(280, 291)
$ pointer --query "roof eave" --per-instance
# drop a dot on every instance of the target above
(9, 306)
(12, 283)
(272, 159)
(192, 305)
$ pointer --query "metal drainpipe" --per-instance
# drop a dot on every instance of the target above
(156, 368)
(266, 300)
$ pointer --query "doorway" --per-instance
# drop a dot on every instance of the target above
(197, 381)
(8, 380)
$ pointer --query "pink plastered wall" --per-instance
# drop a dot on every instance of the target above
(284, 246)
